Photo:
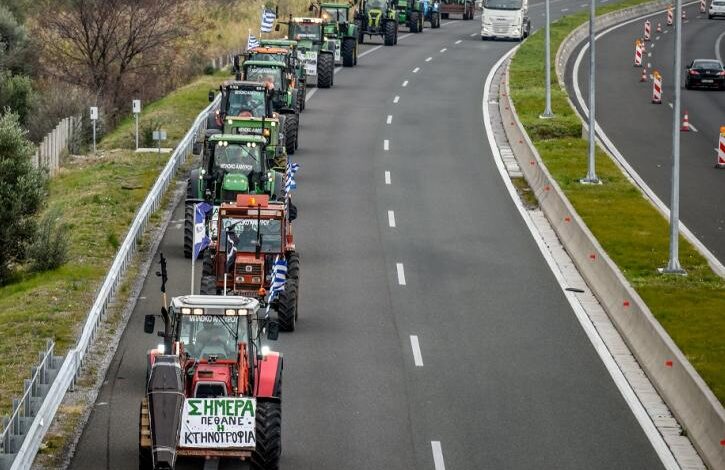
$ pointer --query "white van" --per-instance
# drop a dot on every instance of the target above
(507, 19)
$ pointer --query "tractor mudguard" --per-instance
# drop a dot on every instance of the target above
(269, 376)
(277, 189)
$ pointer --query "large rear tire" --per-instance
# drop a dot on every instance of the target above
(268, 423)
(188, 230)
(207, 267)
(390, 30)
(208, 285)
(291, 128)
(415, 26)
(293, 267)
(287, 306)
(325, 70)
(348, 52)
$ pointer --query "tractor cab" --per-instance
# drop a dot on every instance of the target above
(305, 31)
(274, 75)
(269, 128)
(241, 98)
(212, 368)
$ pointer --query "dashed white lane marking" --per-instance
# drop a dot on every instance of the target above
(405, 83)
(665, 32)
(583, 5)
(401, 273)
(177, 227)
(657, 38)
(396, 99)
(649, 66)
(415, 70)
(417, 356)
(692, 128)
(391, 219)
(437, 455)
(459, 41)
(652, 46)
(649, 54)
(386, 145)
(564, 9)
(387, 177)
(668, 104)
(472, 35)
(389, 120)
(429, 59)
(443, 50)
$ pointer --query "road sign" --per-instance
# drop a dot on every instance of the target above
(94, 113)
(136, 106)
(159, 135)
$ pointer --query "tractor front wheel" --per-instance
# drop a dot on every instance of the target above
(188, 230)
(348, 52)
(287, 306)
(390, 30)
(268, 424)
(208, 285)
(291, 125)
(415, 23)
(325, 70)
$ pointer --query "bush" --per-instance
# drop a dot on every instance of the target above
(22, 189)
(50, 246)
(16, 93)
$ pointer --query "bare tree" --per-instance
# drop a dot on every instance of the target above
(106, 46)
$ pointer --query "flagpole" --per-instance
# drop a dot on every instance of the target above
(193, 246)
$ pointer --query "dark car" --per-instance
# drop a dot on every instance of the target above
(706, 73)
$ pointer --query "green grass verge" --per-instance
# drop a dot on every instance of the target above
(631, 230)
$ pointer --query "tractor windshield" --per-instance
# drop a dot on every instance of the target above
(376, 4)
(502, 4)
(238, 158)
(270, 57)
(245, 231)
(266, 75)
(306, 31)
(245, 102)
(336, 15)
(204, 336)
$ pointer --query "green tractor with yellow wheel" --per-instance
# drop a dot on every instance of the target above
(377, 18)
(337, 28)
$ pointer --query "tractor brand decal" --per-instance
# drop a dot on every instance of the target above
(246, 92)
(310, 61)
(218, 423)
(200, 318)
(236, 166)
(249, 130)
(247, 223)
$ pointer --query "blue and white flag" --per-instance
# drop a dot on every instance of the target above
(201, 239)
(232, 240)
(252, 42)
(268, 18)
(290, 184)
(279, 277)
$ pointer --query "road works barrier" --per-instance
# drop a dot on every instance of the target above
(647, 30)
(691, 401)
(638, 52)
(720, 163)
(670, 16)
(703, 7)
(37, 425)
(656, 88)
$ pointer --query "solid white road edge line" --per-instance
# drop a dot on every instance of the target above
(417, 356)
(604, 354)
(717, 46)
(714, 263)
(401, 273)
(389, 120)
(437, 455)
(386, 145)
(387, 177)
(391, 219)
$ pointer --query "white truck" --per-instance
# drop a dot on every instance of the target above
(507, 19)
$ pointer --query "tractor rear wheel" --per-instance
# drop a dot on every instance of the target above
(348, 52)
(268, 423)
(188, 230)
(415, 22)
(291, 126)
(390, 30)
(287, 306)
(325, 70)
(293, 267)
(208, 285)
(207, 267)
(435, 21)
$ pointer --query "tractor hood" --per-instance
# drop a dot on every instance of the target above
(237, 182)
(211, 380)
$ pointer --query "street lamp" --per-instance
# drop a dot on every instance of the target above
(591, 177)
(547, 48)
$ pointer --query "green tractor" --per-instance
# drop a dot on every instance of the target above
(276, 76)
(411, 14)
(338, 28)
(232, 164)
(377, 18)
(297, 61)
(316, 51)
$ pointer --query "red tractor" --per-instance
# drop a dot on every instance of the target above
(213, 391)
(253, 236)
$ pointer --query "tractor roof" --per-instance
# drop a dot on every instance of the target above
(215, 304)
(270, 50)
(238, 138)
(278, 42)
(244, 84)
(265, 63)
(305, 19)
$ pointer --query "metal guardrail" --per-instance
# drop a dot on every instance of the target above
(65, 379)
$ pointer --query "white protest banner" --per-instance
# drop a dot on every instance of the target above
(219, 423)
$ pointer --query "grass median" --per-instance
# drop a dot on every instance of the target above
(629, 228)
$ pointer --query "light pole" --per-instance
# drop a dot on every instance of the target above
(673, 265)
(591, 177)
(547, 51)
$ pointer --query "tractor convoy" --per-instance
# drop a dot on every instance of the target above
(213, 387)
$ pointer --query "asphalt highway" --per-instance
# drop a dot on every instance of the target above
(642, 131)
(431, 333)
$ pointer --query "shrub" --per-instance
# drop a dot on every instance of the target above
(50, 246)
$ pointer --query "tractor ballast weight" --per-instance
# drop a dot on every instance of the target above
(377, 18)
(212, 390)
(338, 28)
(465, 8)
(253, 233)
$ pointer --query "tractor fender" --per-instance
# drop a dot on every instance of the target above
(269, 375)
(278, 188)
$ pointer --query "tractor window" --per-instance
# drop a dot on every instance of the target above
(270, 57)
(245, 102)
(266, 75)
(238, 158)
(502, 4)
(379, 4)
(246, 233)
(212, 335)
(337, 15)
(306, 31)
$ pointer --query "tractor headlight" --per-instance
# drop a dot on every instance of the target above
(161, 348)
(239, 279)
(198, 311)
(265, 350)
(230, 312)
(256, 280)
(185, 310)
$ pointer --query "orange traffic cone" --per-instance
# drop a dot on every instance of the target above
(643, 77)
(659, 27)
(685, 123)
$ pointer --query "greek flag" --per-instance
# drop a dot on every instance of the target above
(279, 276)
(252, 42)
(201, 239)
(268, 18)
(232, 240)
(290, 183)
